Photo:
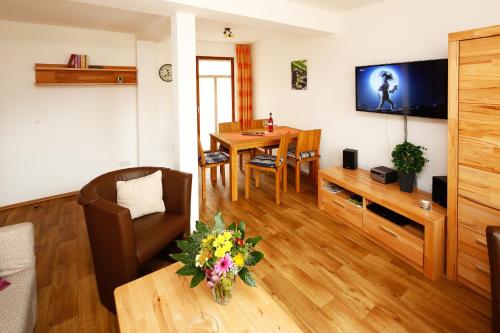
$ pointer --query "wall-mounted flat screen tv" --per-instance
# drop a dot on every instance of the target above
(417, 88)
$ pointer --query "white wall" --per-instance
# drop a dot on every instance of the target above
(55, 139)
(390, 31)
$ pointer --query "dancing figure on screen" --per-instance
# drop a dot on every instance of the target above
(385, 91)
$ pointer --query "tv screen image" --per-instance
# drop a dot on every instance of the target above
(417, 88)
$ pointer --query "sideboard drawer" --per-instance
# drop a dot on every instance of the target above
(475, 216)
(473, 244)
(394, 236)
(474, 271)
(342, 209)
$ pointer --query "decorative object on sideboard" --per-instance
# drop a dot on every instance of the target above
(218, 254)
(409, 160)
(425, 204)
(165, 72)
(440, 190)
(299, 75)
(350, 159)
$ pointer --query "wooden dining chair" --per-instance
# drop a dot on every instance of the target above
(211, 159)
(272, 163)
(306, 150)
(234, 126)
(261, 124)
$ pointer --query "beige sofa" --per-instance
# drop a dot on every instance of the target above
(18, 302)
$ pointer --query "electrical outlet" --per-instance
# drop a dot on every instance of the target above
(124, 163)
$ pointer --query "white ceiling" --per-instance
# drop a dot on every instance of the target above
(80, 15)
(145, 25)
(336, 5)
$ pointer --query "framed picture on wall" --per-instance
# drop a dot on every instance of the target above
(299, 75)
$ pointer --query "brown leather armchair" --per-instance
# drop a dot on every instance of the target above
(121, 246)
(493, 239)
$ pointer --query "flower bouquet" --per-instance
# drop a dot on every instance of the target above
(218, 254)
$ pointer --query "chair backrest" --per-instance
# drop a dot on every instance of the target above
(283, 148)
(307, 141)
(233, 126)
(258, 123)
(201, 155)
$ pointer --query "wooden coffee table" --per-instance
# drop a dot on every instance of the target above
(163, 302)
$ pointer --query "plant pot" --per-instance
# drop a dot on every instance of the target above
(406, 181)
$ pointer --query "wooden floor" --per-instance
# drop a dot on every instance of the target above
(326, 276)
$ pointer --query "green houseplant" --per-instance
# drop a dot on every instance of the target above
(408, 159)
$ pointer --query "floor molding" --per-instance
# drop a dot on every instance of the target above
(36, 201)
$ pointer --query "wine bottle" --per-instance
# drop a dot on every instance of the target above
(270, 123)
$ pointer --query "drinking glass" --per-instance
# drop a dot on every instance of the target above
(202, 323)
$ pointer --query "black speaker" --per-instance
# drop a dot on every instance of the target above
(440, 190)
(350, 159)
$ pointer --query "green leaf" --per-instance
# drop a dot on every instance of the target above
(254, 240)
(201, 227)
(232, 227)
(247, 277)
(254, 258)
(182, 257)
(241, 228)
(197, 278)
(187, 270)
(219, 223)
(183, 245)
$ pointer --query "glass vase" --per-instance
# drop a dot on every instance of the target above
(222, 291)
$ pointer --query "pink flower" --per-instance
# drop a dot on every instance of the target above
(223, 265)
(210, 284)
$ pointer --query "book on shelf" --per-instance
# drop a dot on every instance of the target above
(78, 61)
(333, 188)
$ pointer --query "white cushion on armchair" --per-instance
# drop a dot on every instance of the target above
(18, 302)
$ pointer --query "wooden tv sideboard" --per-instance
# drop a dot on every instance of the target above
(420, 243)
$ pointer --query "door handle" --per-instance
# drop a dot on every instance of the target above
(481, 242)
(390, 232)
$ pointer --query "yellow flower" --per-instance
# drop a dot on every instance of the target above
(208, 240)
(227, 235)
(202, 258)
(238, 260)
(218, 241)
(219, 253)
(227, 246)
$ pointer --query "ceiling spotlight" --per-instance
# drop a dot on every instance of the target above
(228, 33)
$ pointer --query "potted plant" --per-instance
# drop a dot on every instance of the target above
(408, 159)
(218, 254)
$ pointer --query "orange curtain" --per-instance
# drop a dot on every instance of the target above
(245, 85)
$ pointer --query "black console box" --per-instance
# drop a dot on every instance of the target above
(384, 175)
(389, 214)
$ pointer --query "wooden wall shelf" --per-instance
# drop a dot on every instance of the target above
(60, 74)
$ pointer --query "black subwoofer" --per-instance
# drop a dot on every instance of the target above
(350, 159)
(440, 190)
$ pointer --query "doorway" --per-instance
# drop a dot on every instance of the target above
(215, 94)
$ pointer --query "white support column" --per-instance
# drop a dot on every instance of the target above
(184, 99)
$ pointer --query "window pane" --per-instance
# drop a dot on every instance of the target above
(224, 100)
(207, 111)
(214, 67)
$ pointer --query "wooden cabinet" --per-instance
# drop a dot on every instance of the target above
(474, 152)
(420, 242)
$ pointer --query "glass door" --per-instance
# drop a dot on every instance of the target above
(215, 83)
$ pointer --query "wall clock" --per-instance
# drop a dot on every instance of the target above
(165, 72)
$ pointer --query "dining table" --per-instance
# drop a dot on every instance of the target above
(243, 140)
